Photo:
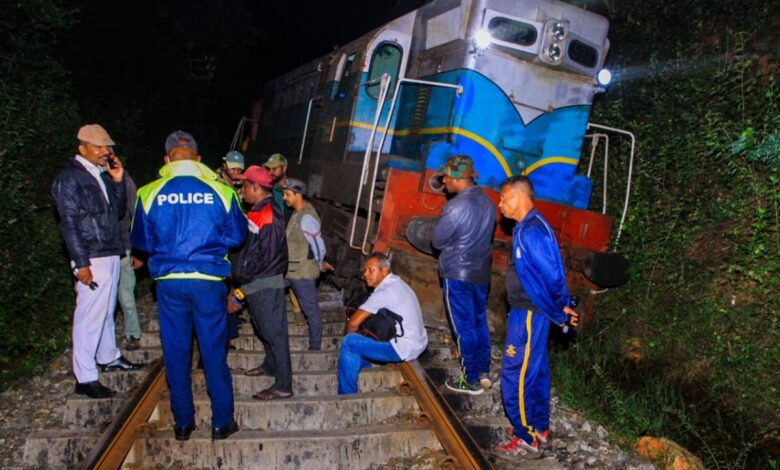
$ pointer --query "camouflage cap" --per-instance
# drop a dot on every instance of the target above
(276, 160)
(459, 166)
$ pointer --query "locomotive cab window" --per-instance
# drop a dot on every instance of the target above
(341, 81)
(583, 54)
(386, 59)
(516, 32)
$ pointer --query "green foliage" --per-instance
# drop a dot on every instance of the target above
(38, 121)
(700, 313)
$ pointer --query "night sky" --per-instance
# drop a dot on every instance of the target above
(146, 67)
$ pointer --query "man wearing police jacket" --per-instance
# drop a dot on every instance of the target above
(187, 220)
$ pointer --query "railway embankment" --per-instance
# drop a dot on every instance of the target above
(44, 425)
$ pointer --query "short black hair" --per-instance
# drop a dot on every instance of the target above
(521, 182)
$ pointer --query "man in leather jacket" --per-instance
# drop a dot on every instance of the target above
(464, 235)
(91, 198)
(259, 267)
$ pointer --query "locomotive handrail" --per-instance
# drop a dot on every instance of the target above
(305, 130)
(594, 145)
(630, 172)
(369, 214)
(383, 85)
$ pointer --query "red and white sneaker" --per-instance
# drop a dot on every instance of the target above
(517, 448)
(545, 439)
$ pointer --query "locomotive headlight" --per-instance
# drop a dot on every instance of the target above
(554, 52)
(604, 77)
(482, 39)
(558, 31)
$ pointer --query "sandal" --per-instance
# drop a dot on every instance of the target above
(271, 394)
(258, 371)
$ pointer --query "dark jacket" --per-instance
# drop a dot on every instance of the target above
(264, 253)
(88, 223)
(464, 234)
(125, 222)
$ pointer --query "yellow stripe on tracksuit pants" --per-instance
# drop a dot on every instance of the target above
(525, 374)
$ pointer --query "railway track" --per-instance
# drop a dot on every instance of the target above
(399, 414)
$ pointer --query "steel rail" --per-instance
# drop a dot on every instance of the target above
(115, 443)
(449, 429)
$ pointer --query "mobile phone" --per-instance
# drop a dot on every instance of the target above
(111, 162)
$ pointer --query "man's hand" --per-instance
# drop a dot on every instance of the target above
(232, 307)
(355, 320)
(326, 267)
(135, 262)
(84, 275)
(118, 170)
(574, 318)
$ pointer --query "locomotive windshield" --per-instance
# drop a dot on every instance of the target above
(516, 32)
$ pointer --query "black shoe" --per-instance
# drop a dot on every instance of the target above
(94, 390)
(120, 364)
(183, 434)
(132, 344)
(223, 433)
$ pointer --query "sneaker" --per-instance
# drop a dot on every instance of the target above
(545, 439)
(460, 385)
(517, 448)
(489, 379)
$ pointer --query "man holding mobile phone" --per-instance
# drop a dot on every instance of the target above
(91, 198)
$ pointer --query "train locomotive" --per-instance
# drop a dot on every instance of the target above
(508, 82)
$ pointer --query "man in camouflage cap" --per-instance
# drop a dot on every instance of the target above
(464, 234)
(277, 165)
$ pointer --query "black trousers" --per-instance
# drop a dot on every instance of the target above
(269, 317)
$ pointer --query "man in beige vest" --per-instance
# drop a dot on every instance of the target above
(306, 251)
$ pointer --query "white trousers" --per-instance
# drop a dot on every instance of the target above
(94, 337)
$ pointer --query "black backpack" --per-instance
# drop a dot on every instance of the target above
(381, 325)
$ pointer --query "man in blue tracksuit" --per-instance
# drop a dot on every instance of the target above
(464, 234)
(187, 220)
(538, 296)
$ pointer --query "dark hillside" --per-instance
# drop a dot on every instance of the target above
(690, 348)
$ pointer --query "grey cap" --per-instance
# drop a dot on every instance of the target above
(180, 139)
(295, 185)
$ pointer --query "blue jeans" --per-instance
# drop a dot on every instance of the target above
(355, 353)
(466, 307)
(126, 297)
(182, 304)
(306, 291)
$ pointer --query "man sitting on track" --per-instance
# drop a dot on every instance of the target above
(392, 293)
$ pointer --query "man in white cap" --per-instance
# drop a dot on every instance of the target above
(232, 165)
(91, 198)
